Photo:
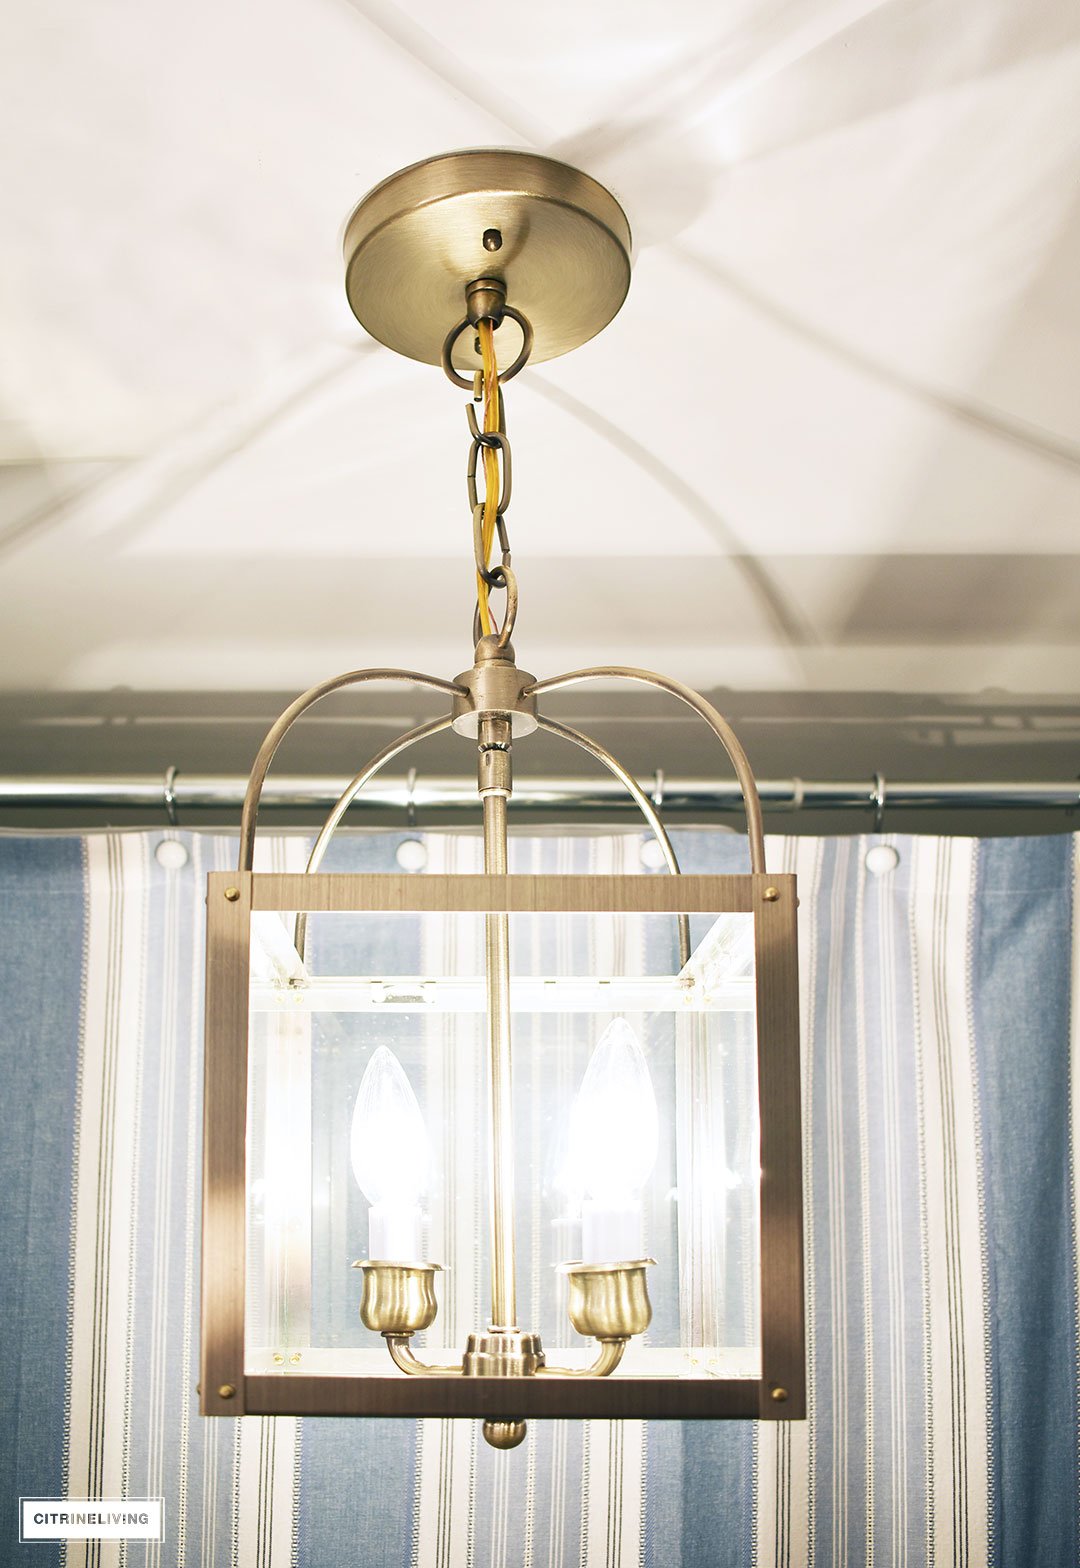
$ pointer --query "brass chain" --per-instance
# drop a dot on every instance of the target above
(487, 308)
(491, 445)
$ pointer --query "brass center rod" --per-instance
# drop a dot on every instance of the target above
(495, 791)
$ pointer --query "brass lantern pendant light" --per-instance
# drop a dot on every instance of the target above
(477, 260)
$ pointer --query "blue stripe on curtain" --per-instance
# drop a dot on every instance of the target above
(1020, 989)
(699, 1495)
(41, 896)
(356, 1495)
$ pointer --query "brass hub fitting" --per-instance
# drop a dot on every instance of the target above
(502, 1352)
(494, 689)
(485, 300)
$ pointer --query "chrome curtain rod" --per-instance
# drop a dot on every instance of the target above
(175, 792)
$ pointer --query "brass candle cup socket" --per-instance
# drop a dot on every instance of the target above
(609, 1300)
(398, 1298)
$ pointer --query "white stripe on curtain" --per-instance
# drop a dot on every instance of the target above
(103, 1240)
(943, 891)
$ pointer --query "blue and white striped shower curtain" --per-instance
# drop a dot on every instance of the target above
(941, 1108)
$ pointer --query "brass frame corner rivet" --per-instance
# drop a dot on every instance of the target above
(770, 895)
(779, 1394)
(227, 1390)
(232, 894)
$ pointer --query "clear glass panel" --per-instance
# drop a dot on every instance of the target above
(635, 1131)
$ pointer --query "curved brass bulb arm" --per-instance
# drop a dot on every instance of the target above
(715, 720)
(608, 1358)
(285, 723)
(645, 805)
(400, 1349)
(610, 1354)
(345, 800)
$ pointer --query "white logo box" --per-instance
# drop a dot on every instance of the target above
(91, 1518)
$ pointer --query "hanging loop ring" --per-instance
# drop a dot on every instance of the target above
(505, 631)
(522, 360)
(510, 616)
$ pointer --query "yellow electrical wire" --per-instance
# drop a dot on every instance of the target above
(486, 333)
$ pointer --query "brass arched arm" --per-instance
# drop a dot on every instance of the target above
(345, 800)
(645, 805)
(715, 720)
(277, 734)
(400, 1349)
(607, 1359)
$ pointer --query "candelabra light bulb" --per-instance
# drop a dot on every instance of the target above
(391, 1158)
(614, 1139)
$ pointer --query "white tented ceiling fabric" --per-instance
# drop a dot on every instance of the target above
(832, 441)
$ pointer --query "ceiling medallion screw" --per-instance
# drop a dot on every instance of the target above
(492, 239)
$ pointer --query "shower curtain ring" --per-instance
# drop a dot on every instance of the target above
(169, 796)
(878, 802)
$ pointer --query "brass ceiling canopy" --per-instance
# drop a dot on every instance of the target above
(557, 240)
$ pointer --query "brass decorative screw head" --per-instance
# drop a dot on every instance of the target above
(771, 894)
(232, 894)
(779, 1394)
(226, 1391)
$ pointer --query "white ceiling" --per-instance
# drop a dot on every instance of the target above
(832, 442)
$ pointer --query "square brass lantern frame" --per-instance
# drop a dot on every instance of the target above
(226, 1390)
